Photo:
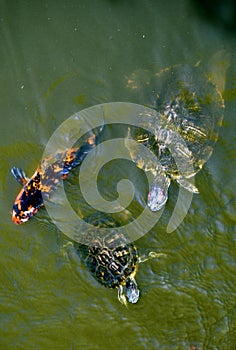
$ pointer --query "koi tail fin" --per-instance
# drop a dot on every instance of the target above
(19, 176)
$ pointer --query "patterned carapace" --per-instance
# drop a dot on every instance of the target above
(45, 179)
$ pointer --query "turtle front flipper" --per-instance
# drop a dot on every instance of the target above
(121, 295)
(19, 175)
(151, 255)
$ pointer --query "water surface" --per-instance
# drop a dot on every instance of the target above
(57, 59)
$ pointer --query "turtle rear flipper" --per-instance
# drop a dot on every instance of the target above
(188, 185)
(19, 175)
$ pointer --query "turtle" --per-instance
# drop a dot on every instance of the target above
(110, 258)
(188, 108)
(46, 178)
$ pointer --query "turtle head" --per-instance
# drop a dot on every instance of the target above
(131, 290)
(158, 192)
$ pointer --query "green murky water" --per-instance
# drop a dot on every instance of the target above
(56, 59)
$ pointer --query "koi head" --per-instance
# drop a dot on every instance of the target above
(29, 199)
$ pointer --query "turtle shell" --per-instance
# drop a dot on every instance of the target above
(189, 111)
(109, 258)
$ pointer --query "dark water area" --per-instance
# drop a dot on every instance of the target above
(58, 58)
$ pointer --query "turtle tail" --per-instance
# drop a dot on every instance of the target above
(19, 175)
